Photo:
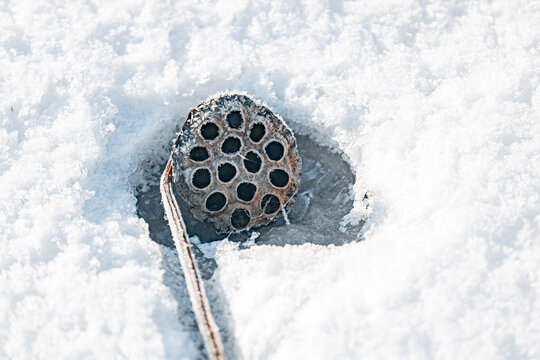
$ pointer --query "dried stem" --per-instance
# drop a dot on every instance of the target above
(195, 286)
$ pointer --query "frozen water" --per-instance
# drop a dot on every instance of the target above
(324, 198)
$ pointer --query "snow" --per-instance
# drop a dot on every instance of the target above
(436, 104)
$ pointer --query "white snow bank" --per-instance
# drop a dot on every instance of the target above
(437, 104)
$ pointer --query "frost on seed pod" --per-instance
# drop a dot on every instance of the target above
(235, 163)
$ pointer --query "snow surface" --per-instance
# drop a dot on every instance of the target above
(436, 103)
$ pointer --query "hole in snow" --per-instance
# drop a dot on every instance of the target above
(317, 213)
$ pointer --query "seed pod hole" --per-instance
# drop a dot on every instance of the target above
(216, 201)
(231, 145)
(246, 191)
(234, 119)
(226, 172)
(209, 131)
(270, 204)
(201, 178)
(274, 150)
(252, 162)
(257, 132)
(279, 178)
(199, 153)
(240, 218)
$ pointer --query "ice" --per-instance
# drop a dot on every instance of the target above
(324, 198)
(435, 105)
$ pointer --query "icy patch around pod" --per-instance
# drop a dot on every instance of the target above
(325, 196)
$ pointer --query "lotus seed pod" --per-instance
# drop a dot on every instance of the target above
(236, 163)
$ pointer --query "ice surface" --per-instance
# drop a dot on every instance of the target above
(324, 198)
(435, 103)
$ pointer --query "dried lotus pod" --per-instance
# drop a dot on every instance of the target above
(235, 163)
